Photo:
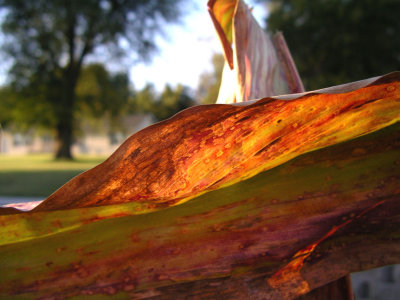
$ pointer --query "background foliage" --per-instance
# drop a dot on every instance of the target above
(165, 105)
(338, 41)
(50, 41)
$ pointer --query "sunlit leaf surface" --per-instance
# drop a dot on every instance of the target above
(263, 199)
(212, 146)
(109, 231)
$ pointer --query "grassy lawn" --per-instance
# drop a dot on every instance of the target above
(39, 175)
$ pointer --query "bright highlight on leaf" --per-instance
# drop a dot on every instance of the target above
(256, 66)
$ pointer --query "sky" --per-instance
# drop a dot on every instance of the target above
(187, 53)
(184, 53)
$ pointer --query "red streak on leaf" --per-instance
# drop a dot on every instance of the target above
(98, 218)
(292, 270)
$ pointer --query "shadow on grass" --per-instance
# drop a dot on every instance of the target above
(34, 183)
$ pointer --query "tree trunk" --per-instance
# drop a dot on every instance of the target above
(64, 137)
(65, 116)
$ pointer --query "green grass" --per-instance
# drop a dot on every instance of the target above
(39, 175)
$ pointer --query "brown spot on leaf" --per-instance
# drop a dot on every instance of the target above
(244, 118)
(134, 153)
(268, 146)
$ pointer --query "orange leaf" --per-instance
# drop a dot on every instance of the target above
(208, 147)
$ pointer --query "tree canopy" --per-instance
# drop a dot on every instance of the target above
(49, 42)
(336, 41)
(101, 93)
(165, 105)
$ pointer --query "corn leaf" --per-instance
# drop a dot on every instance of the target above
(256, 65)
(213, 146)
(246, 215)
(263, 199)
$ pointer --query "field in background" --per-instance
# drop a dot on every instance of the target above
(39, 175)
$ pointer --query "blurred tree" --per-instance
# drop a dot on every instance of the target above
(172, 101)
(20, 111)
(98, 94)
(338, 41)
(50, 40)
(209, 83)
(101, 93)
(144, 100)
(163, 106)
